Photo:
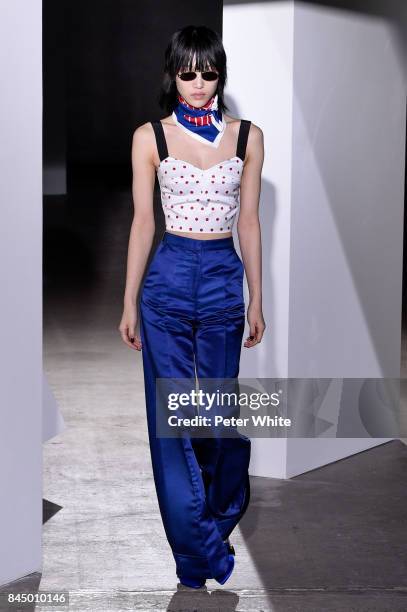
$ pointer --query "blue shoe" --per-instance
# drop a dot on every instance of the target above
(223, 579)
(230, 547)
(193, 583)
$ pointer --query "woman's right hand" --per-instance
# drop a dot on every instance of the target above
(127, 328)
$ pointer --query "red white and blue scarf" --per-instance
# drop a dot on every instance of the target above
(204, 123)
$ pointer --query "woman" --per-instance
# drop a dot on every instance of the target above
(192, 311)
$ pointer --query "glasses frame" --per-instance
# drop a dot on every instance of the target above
(179, 75)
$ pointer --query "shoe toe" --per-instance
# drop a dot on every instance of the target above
(193, 583)
(229, 571)
(230, 547)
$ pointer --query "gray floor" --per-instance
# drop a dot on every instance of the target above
(332, 539)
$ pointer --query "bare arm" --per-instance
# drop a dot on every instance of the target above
(248, 228)
(142, 228)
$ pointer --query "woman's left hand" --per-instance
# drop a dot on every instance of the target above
(256, 324)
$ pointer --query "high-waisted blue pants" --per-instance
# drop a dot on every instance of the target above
(192, 317)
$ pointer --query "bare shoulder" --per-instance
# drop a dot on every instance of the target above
(143, 144)
(255, 142)
(255, 139)
(255, 134)
(144, 134)
(233, 123)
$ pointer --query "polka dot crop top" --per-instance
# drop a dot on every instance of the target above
(196, 200)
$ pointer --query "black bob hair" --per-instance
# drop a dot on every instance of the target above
(192, 40)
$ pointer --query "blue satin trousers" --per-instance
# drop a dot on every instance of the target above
(192, 319)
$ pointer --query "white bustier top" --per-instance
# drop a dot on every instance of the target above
(196, 200)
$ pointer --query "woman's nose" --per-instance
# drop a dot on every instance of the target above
(199, 81)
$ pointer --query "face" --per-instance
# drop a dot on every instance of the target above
(198, 91)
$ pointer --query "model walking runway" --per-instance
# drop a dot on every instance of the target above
(192, 310)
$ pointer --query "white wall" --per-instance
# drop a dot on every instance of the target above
(347, 207)
(327, 88)
(259, 88)
(21, 303)
(347, 196)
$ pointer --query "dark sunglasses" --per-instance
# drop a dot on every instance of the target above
(209, 75)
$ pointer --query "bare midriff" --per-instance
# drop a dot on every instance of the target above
(202, 235)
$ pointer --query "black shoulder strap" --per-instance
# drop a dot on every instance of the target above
(160, 139)
(242, 138)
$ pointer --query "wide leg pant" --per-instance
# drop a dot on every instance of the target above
(192, 318)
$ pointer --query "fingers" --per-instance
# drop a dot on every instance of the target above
(130, 338)
(255, 334)
(135, 341)
(251, 340)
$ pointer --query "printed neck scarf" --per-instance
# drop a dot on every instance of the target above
(205, 123)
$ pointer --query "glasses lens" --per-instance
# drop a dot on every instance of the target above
(210, 75)
(187, 76)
